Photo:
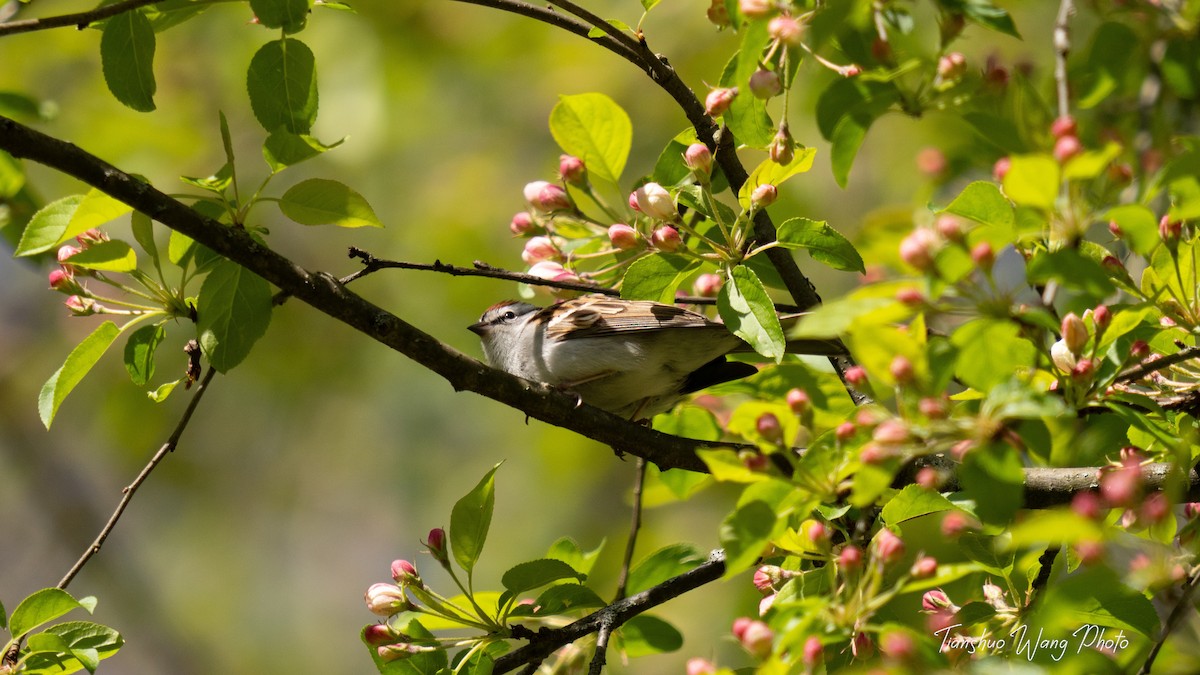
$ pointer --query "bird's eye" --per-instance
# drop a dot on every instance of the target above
(510, 315)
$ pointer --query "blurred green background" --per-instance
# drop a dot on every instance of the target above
(325, 456)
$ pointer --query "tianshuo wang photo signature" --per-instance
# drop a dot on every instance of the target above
(1022, 641)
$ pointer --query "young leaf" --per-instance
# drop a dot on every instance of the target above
(164, 390)
(655, 277)
(537, 573)
(747, 310)
(645, 634)
(595, 129)
(747, 116)
(1032, 180)
(824, 244)
(78, 363)
(143, 233)
(96, 209)
(319, 201)
(745, 533)
(139, 353)
(282, 82)
(42, 606)
(233, 311)
(290, 15)
(770, 173)
(663, 564)
(992, 475)
(914, 502)
(108, 256)
(283, 149)
(47, 226)
(982, 202)
(470, 519)
(127, 58)
(1138, 226)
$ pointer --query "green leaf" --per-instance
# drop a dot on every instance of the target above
(824, 244)
(992, 476)
(537, 573)
(1105, 69)
(86, 641)
(1033, 180)
(96, 209)
(470, 519)
(563, 598)
(41, 607)
(845, 111)
(233, 311)
(127, 58)
(771, 173)
(745, 533)
(78, 363)
(663, 564)
(139, 353)
(990, 351)
(747, 310)
(1182, 178)
(982, 202)
(913, 502)
(47, 226)
(319, 201)
(656, 277)
(1097, 596)
(984, 13)
(645, 634)
(566, 550)
(1072, 270)
(108, 256)
(164, 390)
(143, 233)
(12, 175)
(290, 15)
(747, 116)
(282, 81)
(595, 129)
(1138, 225)
(283, 149)
(1091, 163)
(1053, 527)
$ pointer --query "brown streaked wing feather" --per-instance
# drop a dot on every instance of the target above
(597, 317)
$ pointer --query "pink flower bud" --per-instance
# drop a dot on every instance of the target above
(928, 478)
(707, 285)
(522, 223)
(654, 201)
(955, 523)
(783, 147)
(845, 431)
(1101, 317)
(666, 238)
(924, 567)
(91, 237)
(699, 666)
(571, 169)
(933, 408)
(1169, 230)
(81, 306)
(960, 449)
(850, 557)
(861, 646)
(765, 578)
(385, 599)
(623, 237)
(378, 634)
(538, 249)
(983, 256)
(1115, 229)
(931, 162)
(436, 542)
(917, 249)
(699, 159)
(719, 100)
(765, 83)
(889, 547)
(851, 70)
(950, 227)
(397, 651)
(552, 271)
(937, 600)
(814, 651)
(1086, 504)
(1083, 370)
(901, 369)
(405, 572)
(798, 400)
(891, 432)
(768, 427)
(547, 197)
(718, 14)
(816, 532)
(763, 196)
(994, 595)
(786, 29)
(1074, 333)
(874, 453)
(898, 645)
(856, 376)
(765, 604)
(1089, 552)
(63, 281)
(952, 66)
(1139, 349)
(1154, 508)
(1067, 147)
(756, 638)
(740, 625)
(1064, 126)
(1122, 486)
(910, 296)
(756, 9)
(1191, 509)
(66, 251)
(1000, 169)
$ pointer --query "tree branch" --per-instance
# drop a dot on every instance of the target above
(1062, 47)
(80, 20)
(545, 641)
(1177, 613)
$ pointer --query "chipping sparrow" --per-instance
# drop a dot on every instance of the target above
(634, 358)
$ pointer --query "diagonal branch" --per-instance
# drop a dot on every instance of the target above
(79, 20)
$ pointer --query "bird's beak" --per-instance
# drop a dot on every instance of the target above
(478, 328)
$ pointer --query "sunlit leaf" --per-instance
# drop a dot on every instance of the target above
(320, 201)
(233, 312)
(748, 312)
(595, 129)
(78, 363)
(470, 520)
(127, 59)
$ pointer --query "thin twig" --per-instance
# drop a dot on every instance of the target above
(634, 526)
(80, 20)
(128, 492)
(600, 657)
(1166, 361)
(1177, 614)
(1062, 47)
(1045, 567)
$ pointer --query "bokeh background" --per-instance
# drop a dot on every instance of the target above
(309, 468)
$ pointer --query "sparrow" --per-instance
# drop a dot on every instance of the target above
(633, 358)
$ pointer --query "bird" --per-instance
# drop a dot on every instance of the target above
(633, 358)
